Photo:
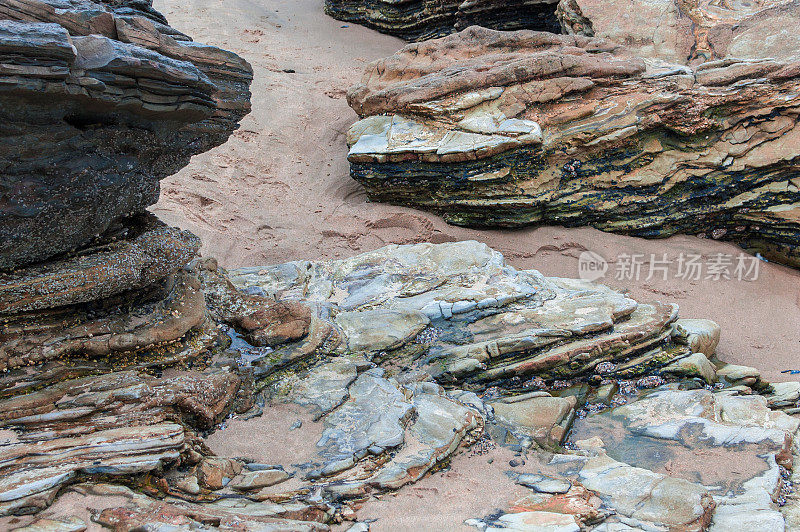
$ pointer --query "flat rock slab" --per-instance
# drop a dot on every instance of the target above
(255, 480)
(440, 427)
(542, 419)
(542, 484)
(732, 442)
(647, 496)
(372, 420)
(69, 524)
(529, 521)
(325, 386)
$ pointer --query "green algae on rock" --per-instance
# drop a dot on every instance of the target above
(504, 129)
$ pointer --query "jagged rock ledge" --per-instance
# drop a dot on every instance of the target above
(513, 128)
(418, 20)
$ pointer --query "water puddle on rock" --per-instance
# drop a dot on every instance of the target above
(248, 354)
(694, 459)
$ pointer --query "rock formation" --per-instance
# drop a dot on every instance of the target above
(418, 20)
(690, 32)
(126, 360)
(410, 358)
(512, 128)
(100, 100)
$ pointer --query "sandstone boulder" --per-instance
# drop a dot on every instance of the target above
(690, 32)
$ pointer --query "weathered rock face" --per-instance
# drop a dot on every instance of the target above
(418, 20)
(512, 128)
(122, 385)
(378, 370)
(690, 32)
(99, 101)
(115, 424)
(97, 298)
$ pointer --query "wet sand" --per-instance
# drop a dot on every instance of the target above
(279, 189)
(473, 487)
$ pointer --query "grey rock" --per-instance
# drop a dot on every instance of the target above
(784, 394)
(189, 485)
(695, 365)
(736, 374)
(543, 484)
(647, 496)
(325, 386)
(66, 524)
(542, 418)
(255, 480)
(440, 427)
(702, 336)
(373, 416)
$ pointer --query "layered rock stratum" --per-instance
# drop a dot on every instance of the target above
(409, 360)
(418, 20)
(145, 388)
(506, 129)
(100, 100)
